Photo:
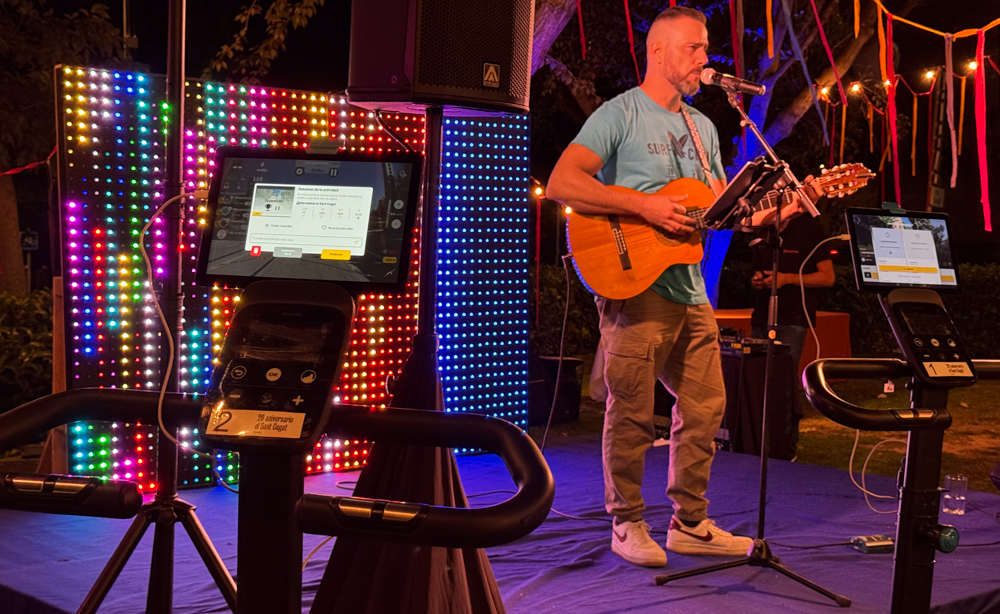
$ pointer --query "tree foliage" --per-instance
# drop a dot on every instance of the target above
(33, 40)
(246, 62)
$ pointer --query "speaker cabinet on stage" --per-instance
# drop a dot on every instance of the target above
(456, 53)
(542, 373)
(744, 377)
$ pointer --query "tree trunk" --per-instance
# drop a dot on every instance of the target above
(12, 277)
(551, 16)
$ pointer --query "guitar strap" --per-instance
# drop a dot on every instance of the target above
(697, 144)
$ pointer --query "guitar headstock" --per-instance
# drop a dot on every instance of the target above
(844, 179)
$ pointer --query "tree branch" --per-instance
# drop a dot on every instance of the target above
(582, 89)
(551, 17)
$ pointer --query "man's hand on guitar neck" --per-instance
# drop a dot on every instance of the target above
(665, 212)
(792, 209)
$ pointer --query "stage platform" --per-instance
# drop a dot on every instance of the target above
(48, 563)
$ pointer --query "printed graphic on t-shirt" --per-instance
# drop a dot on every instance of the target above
(678, 147)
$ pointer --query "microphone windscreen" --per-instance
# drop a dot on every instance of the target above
(706, 76)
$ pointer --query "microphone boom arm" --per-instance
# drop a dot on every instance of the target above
(791, 179)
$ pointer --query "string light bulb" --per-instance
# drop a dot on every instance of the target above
(973, 65)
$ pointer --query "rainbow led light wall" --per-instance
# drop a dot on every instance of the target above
(111, 169)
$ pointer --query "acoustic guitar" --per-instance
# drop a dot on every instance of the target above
(619, 257)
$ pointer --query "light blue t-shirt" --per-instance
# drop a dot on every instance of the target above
(644, 147)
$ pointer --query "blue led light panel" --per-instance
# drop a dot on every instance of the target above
(483, 267)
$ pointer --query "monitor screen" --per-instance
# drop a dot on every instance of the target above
(287, 214)
(907, 250)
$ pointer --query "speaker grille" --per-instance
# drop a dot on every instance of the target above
(457, 37)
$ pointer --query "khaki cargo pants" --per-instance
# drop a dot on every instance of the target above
(645, 338)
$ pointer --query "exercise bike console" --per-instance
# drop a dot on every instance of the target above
(271, 386)
(928, 338)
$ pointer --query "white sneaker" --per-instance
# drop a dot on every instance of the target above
(631, 541)
(705, 538)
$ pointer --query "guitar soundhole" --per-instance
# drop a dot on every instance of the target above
(671, 240)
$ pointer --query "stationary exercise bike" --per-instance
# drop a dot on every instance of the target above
(906, 258)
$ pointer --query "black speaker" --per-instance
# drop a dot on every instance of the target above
(455, 53)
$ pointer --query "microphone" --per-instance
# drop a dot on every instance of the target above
(730, 83)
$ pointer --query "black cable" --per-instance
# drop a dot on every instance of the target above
(391, 132)
(811, 547)
(562, 341)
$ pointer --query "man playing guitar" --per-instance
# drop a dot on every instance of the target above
(644, 139)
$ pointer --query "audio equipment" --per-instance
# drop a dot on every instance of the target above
(452, 53)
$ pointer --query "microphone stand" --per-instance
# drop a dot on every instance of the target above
(760, 555)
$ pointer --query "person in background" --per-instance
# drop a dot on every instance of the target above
(798, 239)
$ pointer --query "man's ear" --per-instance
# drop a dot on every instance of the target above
(655, 51)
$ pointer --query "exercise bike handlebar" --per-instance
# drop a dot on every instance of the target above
(23, 424)
(816, 376)
(429, 524)
(815, 379)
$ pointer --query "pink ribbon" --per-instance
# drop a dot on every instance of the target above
(980, 82)
(631, 42)
(829, 52)
(891, 77)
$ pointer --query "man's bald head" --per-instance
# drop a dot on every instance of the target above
(662, 24)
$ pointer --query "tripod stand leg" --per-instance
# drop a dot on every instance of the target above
(842, 601)
(664, 578)
(116, 563)
(210, 556)
(160, 596)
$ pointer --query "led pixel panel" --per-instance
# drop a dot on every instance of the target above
(111, 172)
(482, 267)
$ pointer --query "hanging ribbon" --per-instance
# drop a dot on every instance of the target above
(984, 179)
(857, 17)
(870, 116)
(949, 80)
(631, 42)
(798, 55)
(734, 31)
(741, 68)
(881, 45)
(881, 164)
(959, 34)
(913, 143)
(673, 3)
(891, 108)
(829, 53)
(833, 137)
(770, 29)
(579, 18)
(961, 114)
(930, 129)
(843, 125)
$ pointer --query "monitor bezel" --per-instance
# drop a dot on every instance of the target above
(205, 279)
(883, 288)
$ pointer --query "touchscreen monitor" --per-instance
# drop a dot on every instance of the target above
(288, 214)
(901, 250)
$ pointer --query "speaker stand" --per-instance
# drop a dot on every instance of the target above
(429, 579)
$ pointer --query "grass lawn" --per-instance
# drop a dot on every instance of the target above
(971, 445)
